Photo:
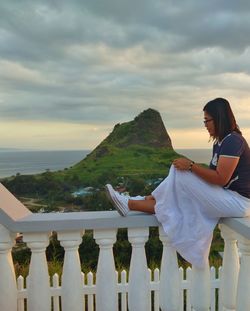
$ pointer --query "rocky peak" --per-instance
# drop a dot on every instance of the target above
(146, 129)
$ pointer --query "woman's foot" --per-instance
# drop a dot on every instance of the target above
(120, 202)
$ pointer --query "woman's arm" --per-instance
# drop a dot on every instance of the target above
(220, 176)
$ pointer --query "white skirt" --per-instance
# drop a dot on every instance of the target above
(189, 209)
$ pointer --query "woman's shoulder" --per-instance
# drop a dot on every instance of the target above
(234, 137)
(234, 143)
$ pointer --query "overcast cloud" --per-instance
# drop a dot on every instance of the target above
(96, 63)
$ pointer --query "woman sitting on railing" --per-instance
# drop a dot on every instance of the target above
(191, 199)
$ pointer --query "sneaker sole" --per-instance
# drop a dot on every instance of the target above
(113, 201)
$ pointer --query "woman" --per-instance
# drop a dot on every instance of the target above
(191, 200)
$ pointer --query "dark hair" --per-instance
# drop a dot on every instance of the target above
(224, 121)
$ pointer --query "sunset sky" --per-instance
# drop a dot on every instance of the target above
(71, 70)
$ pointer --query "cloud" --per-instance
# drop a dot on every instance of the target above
(95, 62)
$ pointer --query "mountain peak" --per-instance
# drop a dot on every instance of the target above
(148, 113)
(146, 129)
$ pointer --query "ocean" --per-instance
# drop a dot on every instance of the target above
(32, 162)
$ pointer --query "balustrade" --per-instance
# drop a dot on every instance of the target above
(106, 296)
(138, 292)
(72, 286)
(243, 292)
(234, 284)
(8, 290)
(230, 269)
(38, 292)
(170, 285)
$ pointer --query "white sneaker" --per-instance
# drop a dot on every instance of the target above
(120, 202)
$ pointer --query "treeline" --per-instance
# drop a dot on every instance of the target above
(37, 185)
(54, 191)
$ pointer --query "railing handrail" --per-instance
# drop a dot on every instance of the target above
(239, 225)
(41, 222)
(82, 220)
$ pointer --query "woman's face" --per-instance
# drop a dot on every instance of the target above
(209, 123)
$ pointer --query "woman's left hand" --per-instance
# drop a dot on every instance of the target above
(182, 164)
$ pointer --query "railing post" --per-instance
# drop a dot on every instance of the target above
(139, 282)
(38, 286)
(243, 292)
(106, 279)
(170, 286)
(8, 288)
(230, 269)
(200, 289)
(72, 285)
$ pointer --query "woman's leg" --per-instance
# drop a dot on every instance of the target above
(123, 204)
(146, 206)
(149, 197)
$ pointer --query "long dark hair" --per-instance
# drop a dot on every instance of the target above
(224, 121)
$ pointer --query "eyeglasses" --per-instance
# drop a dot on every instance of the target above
(206, 121)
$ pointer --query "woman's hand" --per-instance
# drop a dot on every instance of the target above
(220, 176)
(182, 164)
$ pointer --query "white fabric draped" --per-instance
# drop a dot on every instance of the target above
(189, 209)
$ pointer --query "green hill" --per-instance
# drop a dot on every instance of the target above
(136, 152)
(141, 147)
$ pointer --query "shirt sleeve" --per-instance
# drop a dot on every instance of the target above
(232, 146)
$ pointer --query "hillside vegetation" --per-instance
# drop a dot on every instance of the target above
(134, 152)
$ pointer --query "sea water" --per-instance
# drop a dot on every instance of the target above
(13, 162)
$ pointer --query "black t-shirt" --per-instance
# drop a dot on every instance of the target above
(234, 145)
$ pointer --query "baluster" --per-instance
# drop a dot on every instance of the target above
(38, 286)
(139, 283)
(243, 292)
(20, 288)
(156, 292)
(106, 279)
(150, 286)
(170, 285)
(91, 285)
(181, 275)
(56, 303)
(83, 282)
(72, 286)
(219, 295)
(212, 291)
(200, 289)
(188, 291)
(123, 290)
(8, 289)
(230, 272)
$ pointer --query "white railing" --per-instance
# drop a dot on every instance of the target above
(234, 284)
(89, 290)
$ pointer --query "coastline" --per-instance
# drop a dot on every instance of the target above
(24, 161)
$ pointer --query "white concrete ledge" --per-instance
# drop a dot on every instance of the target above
(82, 220)
(102, 220)
(239, 225)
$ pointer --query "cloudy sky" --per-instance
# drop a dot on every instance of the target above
(71, 70)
